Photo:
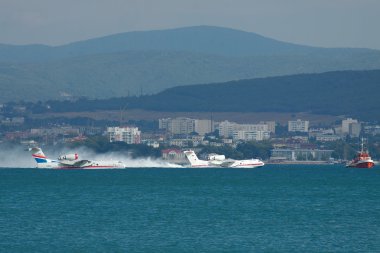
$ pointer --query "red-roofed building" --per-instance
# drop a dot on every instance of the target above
(173, 155)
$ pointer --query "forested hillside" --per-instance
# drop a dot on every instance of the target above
(350, 93)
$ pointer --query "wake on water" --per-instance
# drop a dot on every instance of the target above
(18, 157)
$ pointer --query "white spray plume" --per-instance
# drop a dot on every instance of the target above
(18, 157)
(129, 162)
(15, 157)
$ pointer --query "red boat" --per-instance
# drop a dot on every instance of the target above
(362, 160)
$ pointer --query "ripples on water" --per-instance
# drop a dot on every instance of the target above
(270, 209)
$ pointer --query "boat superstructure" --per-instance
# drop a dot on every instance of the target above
(362, 159)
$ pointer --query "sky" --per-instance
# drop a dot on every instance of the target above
(325, 23)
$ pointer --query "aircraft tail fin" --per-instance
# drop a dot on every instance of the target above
(38, 155)
(193, 159)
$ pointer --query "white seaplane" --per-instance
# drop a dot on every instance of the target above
(215, 160)
(71, 161)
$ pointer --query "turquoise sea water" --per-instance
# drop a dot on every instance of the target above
(270, 209)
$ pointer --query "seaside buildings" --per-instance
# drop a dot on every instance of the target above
(177, 126)
(351, 127)
(298, 126)
(130, 135)
(250, 135)
(346, 125)
(203, 126)
(184, 133)
(300, 154)
(246, 132)
(183, 125)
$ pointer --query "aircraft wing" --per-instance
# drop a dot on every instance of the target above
(227, 163)
(80, 163)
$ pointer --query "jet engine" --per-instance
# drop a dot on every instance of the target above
(216, 157)
(69, 157)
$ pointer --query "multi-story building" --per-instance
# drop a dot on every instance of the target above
(178, 125)
(300, 154)
(203, 126)
(186, 125)
(232, 129)
(355, 129)
(252, 127)
(346, 125)
(182, 126)
(298, 125)
(271, 125)
(251, 135)
(324, 134)
(130, 135)
(164, 123)
(351, 127)
(226, 128)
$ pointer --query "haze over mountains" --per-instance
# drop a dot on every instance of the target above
(137, 63)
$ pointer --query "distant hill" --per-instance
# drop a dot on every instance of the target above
(200, 39)
(350, 93)
(137, 63)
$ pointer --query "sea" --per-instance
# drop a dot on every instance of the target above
(276, 208)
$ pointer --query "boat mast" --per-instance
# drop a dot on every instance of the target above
(362, 145)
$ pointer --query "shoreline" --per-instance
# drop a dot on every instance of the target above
(304, 163)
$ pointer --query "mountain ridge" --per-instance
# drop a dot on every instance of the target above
(105, 67)
(199, 39)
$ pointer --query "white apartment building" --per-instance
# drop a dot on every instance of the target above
(355, 129)
(298, 125)
(351, 127)
(271, 125)
(164, 123)
(346, 125)
(229, 129)
(130, 135)
(251, 135)
(203, 126)
(177, 125)
(186, 125)
(252, 127)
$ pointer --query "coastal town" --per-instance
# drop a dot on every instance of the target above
(296, 141)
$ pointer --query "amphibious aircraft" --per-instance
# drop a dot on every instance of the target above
(215, 160)
(71, 161)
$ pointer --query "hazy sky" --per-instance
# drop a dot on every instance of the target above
(328, 23)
